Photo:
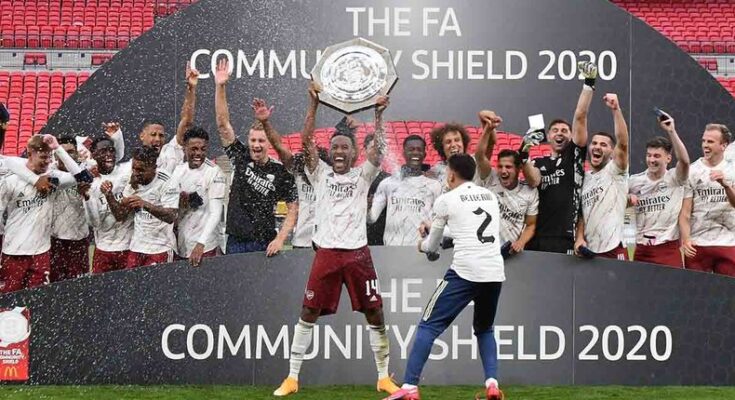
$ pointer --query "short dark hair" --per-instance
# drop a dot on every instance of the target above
(146, 154)
(511, 153)
(560, 121)
(726, 134)
(196, 132)
(413, 137)
(96, 142)
(660, 142)
(352, 138)
(152, 121)
(464, 165)
(437, 137)
(605, 134)
(67, 139)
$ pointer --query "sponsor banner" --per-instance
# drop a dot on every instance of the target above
(561, 321)
(15, 331)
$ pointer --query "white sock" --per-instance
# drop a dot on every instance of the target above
(406, 386)
(379, 343)
(301, 342)
(490, 381)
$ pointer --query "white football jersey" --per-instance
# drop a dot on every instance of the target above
(170, 157)
(659, 203)
(307, 204)
(409, 201)
(515, 205)
(439, 172)
(713, 218)
(29, 215)
(604, 199)
(472, 213)
(3, 173)
(341, 205)
(209, 182)
(70, 222)
(109, 234)
(730, 153)
(150, 234)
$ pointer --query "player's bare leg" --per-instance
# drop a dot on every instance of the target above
(301, 341)
(380, 344)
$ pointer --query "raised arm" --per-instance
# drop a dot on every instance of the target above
(222, 111)
(113, 131)
(189, 107)
(579, 125)
(682, 156)
(263, 114)
(307, 134)
(489, 123)
(377, 151)
(620, 156)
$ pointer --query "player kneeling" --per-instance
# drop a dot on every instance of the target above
(472, 214)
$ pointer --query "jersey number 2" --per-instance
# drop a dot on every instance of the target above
(483, 226)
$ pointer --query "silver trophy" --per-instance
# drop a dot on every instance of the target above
(353, 74)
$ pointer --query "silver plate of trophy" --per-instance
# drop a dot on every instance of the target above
(353, 74)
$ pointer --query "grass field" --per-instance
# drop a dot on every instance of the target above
(361, 392)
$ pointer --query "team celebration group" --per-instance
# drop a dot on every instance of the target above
(169, 202)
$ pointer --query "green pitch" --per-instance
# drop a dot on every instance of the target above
(361, 392)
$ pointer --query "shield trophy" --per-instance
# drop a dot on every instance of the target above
(353, 74)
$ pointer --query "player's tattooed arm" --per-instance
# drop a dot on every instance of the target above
(378, 149)
(263, 114)
(188, 109)
(288, 224)
(620, 154)
(222, 111)
(307, 134)
(167, 215)
(528, 231)
(120, 211)
(489, 123)
(685, 228)
(682, 156)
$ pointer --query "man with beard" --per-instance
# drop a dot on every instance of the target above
(152, 203)
(25, 250)
(605, 190)
(340, 238)
(259, 182)
(707, 219)
(657, 194)
(408, 196)
(202, 191)
(69, 230)
(111, 237)
(518, 201)
(559, 176)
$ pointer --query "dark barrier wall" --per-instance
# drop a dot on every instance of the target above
(561, 321)
(517, 57)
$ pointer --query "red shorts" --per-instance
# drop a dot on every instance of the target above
(717, 259)
(666, 253)
(69, 258)
(618, 253)
(136, 260)
(24, 272)
(107, 261)
(332, 268)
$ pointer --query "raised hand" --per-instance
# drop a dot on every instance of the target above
(51, 141)
(314, 90)
(667, 124)
(381, 103)
(489, 120)
(587, 69)
(192, 75)
(111, 127)
(611, 100)
(261, 109)
(222, 73)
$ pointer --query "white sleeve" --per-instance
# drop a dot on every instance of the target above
(69, 162)
(91, 211)
(439, 220)
(3, 197)
(213, 218)
(119, 142)
(316, 176)
(533, 207)
(66, 180)
(170, 195)
(17, 166)
(369, 171)
(380, 199)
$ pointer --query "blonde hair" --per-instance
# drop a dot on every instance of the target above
(37, 144)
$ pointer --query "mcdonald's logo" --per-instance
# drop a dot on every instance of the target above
(11, 373)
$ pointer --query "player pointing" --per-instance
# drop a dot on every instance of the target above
(472, 214)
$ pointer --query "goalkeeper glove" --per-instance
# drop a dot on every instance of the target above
(588, 70)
